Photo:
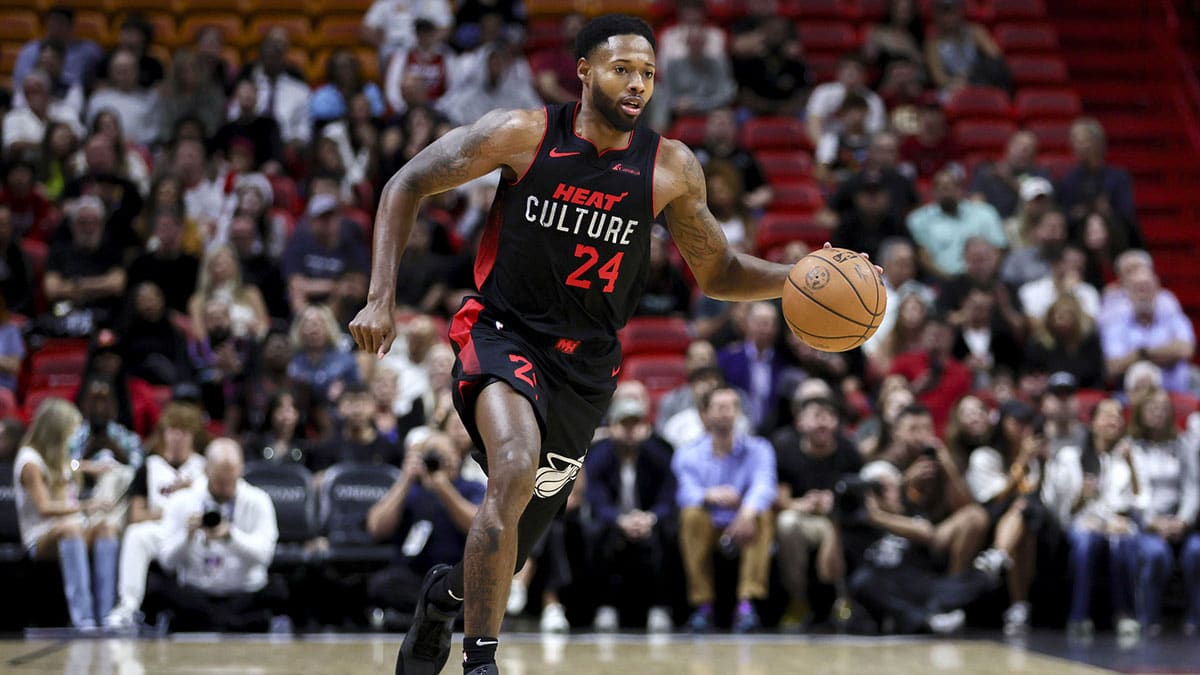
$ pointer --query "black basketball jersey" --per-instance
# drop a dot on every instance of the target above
(566, 248)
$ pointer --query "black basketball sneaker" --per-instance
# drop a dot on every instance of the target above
(426, 646)
(489, 669)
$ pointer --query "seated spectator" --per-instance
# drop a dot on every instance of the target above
(1060, 410)
(699, 354)
(666, 292)
(69, 95)
(1094, 185)
(1148, 333)
(721, 143)
(631, 491)
(727, 484)
(59, 147)
(166, 194)
(872, 221)
(174, 464)
(192, 91)
(220, 360)
(356, 439)
(555, 73)
(1030, 263)
(1103, 242)
(874, 434)
(426, 514)
(1116, 302)
(221, 279)
(282, 92)
(209, 48)
(136, 107)
(85, 272)
(938, 378)
(884, 555)
(283, 440)
(412, 356)
(904, 332)
(258, 269)
(252, 197)
(135, 35)
(106, 172)
(419, 75)
(1065, 278)
(203, 195)
(942, 227)
(970, 427)
(1036, 199)
(690, 15)
(753, 366)
(384, 385)
(493, 76)
(983, 341)
(261, 130)
(726, 202)
(12, 352)
(319, 252)
(103, 445)
(842, 152)
(811, 456)
(1001, 183)
(961, 52)
(826, 99)
(54, 521)
(769, 70)
(1067, 341)
(899, 37)
(931, 149)
(1090, 490)
(698, 84)
(30, 213)
(883, 160)
(1166, 465)
(79, 56)
(150, 341)
(165, 264)
(15, 277)
(24, 128)
(343, 80)
(219, 538)
(981, 267)
(389, 25)
(319, 361)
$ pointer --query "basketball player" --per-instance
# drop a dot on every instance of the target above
(561, 267)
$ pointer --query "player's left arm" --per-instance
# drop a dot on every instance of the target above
(721, 272)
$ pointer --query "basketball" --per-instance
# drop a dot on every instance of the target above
(834, 299)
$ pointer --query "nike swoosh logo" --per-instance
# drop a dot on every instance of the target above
(616, 370)
(555, 153)
(453, 596)
(484, 643)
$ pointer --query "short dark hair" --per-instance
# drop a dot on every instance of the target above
(353, 390)
(62, 11)
(822, 401)
(707, 397)
(913, 410)
(854, 101)
(597, 31)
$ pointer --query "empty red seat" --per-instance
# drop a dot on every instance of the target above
(1017, 38)
(689, 129)
(35, 397)
(338, 31)
(1007, 10)
(299, 29)
(1088, 398)
(287, 196)
(655, 335)
(18, 25)
(230, 26)
(1037, 70)
(816, 9)
(92, 26)
(775, 133)
(976, 135)
(1057, 163)
(659, 372)
(1047, 103)
(802, 197)
(871, 10)
(785, 166)
(977, 102)
(1053, 135)
(1184, 404)
(777, 229)
(827, 36)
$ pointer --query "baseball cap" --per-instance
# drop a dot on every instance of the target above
(1034, 187)
(625, 407)
(1062, 383)
(322, 204)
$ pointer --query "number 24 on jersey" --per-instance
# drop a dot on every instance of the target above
(607, 272)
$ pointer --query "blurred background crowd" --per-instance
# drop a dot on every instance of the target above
(186, 204)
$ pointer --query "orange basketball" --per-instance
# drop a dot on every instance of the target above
(834, 299)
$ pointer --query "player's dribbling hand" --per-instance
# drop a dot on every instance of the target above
(374, 329)
(862, 253)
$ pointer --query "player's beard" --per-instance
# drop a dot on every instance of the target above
(610, 110)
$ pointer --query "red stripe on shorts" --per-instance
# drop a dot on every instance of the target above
(460, 333)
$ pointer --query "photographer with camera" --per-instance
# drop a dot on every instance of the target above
(881, 554)
(426, 513)
(810, 457)
(219, 538)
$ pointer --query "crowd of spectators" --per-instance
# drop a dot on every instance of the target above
(1018, 418)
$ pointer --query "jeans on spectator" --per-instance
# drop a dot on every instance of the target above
(77, 583)
(104, 574)
(1190, 561)
(633, 572)
(139, 546)
(698, 539)
(798, 535)
(1155, 562)
(1089, 551)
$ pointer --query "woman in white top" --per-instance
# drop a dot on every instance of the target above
(221, 278)
(1169, 475)
(1092, 490)
(53, 521)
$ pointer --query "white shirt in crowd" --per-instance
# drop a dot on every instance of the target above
(987, 473)
(234, 565)
(137, 112)
(161, 478)
(1037, 296)
(396, 19)
(22, 126)
(1064, 483)
(826, 98)
(284, 98)
(32, 524)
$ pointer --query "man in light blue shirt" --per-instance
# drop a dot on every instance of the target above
(1148, 333)
(726, 485)
(942, 227)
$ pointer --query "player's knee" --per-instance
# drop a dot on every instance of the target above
(510, 479)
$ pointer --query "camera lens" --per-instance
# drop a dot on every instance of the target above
(211, 518)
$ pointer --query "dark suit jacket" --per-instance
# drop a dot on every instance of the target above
(655, 482)
(1006, 350)
(735, 363)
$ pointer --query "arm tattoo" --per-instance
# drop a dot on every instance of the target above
(696, 233)
(446, 163)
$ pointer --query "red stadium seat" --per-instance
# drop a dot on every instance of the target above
(236, 6)
(18, 25)
(827, 36)
(1184, 404)
(659, 372)
(230, 26)
(1088, 398)
(286, 195)
(1022, 38)
(1046, 104)
(785, 166)
(1053, 135)
(689, 129)
(338, 31)
(779, 229)
(972, 135)
(299, 29)
(775, 133)
(1057, 163)
(35, 397)
(871, 10)
(1037, 70)
(165, 29)
(655, 335)
(977, 103)
(816, 9)
(1007, 10)
(93, 26)
(800, 197)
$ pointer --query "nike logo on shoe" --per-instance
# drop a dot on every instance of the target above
(616, 370)
(453, 596)
(555, 153)
(485, 643)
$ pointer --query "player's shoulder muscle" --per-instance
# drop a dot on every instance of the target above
(677, 174)
(501, 139)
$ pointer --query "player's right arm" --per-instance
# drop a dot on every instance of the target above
(506, 140)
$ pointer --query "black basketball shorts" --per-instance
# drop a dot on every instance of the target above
(568, 383)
